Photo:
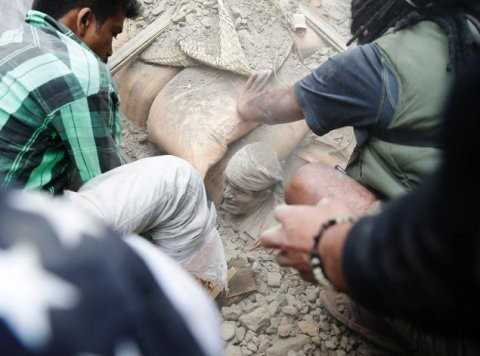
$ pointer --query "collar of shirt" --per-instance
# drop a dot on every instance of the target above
(42, 20)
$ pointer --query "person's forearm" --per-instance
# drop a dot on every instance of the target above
(276, 106)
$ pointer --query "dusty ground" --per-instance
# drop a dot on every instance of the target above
(283, 317)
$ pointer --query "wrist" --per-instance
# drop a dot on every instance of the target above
(331, 250)
(326, 254)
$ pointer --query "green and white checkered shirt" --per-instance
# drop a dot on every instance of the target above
(59, 110)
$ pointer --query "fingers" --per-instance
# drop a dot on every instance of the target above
(281, 212)
(274, 238)
(253, 78)
(258, 81)
(296, 260)
(262, 80)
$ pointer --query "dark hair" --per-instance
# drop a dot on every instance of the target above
(373, 18)
(102, 9)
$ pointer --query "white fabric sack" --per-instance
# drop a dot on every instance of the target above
(251, 176)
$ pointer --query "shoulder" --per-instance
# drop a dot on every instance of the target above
(56, 69)
(347, 90)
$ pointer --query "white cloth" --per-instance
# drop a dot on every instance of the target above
(12, 13)
(164, 199)
(189, 299)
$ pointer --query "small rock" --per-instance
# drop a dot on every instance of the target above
(274, 323)
(285, 328)
(246, 352)
(248, 307)
(263, 343)
(305, 309)
(250, 336)
(273, 308)
(308, 328)
(252, 347)
(290, 298)
(228, 330)
(274, 279)
(331, 343)
(335, 330)
(158, 10)
(231, 313)
(289, 310)
(341, 353)
(271, 297)
(256, 320)
(282, 347)
(233, 351)
(240, 333)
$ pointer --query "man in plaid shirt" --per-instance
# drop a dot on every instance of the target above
(60, 128)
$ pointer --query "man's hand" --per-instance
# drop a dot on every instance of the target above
(273, 106)
(294, 238)
(250, 105)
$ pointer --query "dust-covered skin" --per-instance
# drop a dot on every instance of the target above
(258, 104)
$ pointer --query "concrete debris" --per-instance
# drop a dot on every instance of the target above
(228, 331)
(282, 347)
(256, 320)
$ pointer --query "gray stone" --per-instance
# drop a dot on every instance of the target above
(256, 320)
(335, 330)
(228, 330)
(290, 310)
(274, 323)
(285, 328)
(331, 343)
(252, 347)
(290, 297)
(233, 351)
(231, 313)
(246, 352)
(273, 308)
(158, 10)
(308, 328)
(274, 279)
(240, 333)
(248, 307)
(282, 347)
(263, 343)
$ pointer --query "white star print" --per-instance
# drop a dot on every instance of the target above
(127, 348)
(27, 294)
(69, 223)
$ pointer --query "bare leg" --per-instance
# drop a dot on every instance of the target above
(313, 182)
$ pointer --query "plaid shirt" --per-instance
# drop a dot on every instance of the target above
(59, 111)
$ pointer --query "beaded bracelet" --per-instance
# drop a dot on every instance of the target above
(315, 259)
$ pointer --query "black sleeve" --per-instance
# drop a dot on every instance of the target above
(419, 259)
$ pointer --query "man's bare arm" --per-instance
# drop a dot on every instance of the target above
(275, 106)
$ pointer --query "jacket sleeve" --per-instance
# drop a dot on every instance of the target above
(400, 263)
(419, 259)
